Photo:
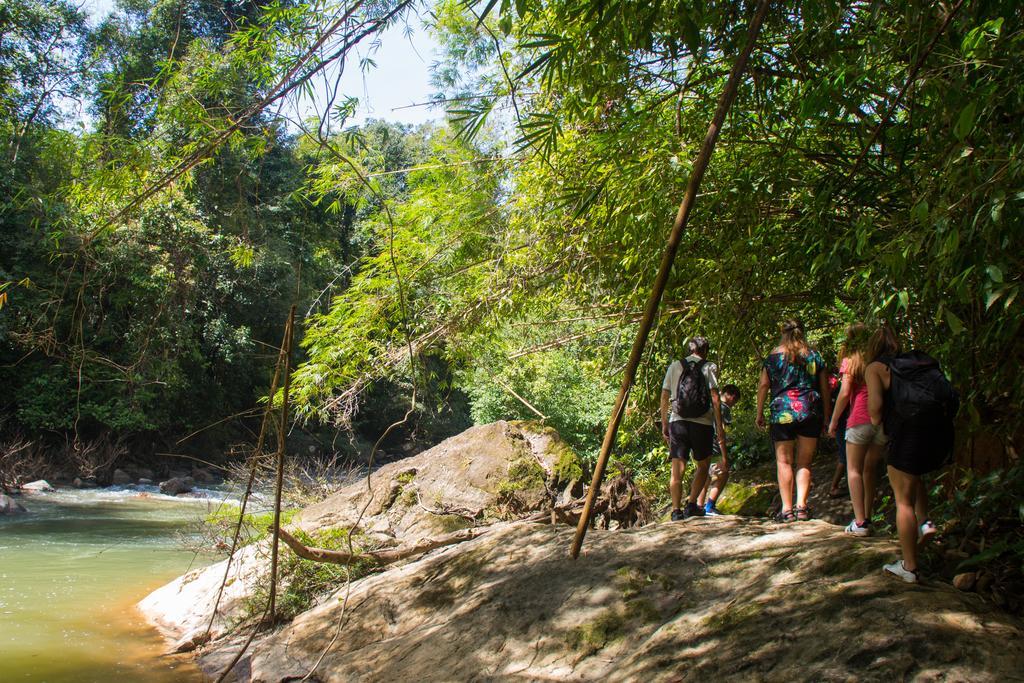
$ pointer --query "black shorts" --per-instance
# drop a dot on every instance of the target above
(920, 447)
(686, 436)
(809, 428)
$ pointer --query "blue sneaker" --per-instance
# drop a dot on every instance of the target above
(710, 510)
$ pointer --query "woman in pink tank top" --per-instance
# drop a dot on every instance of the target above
(864, 442)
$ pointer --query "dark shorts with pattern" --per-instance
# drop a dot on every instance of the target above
(809, 428)
(686, 436)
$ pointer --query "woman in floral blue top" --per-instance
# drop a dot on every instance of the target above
(801, 400)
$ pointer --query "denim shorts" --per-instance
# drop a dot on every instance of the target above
(865, 434)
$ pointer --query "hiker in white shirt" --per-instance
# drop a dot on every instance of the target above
(690, 413)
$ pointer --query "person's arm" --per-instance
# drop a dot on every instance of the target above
(876, 387)
(716, 405)
(664, 415)
(841, 402)
(826, 395)
(763, 386)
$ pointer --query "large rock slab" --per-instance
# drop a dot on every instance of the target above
(419, 497)
(707, 599)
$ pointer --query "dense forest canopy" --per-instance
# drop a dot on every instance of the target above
(869, 169)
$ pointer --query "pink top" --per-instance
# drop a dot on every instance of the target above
(858, 400)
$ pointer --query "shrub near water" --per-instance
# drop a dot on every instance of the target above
(303, 582)
(219, 526)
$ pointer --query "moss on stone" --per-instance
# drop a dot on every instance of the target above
(407, 497)
(568, 466)
(450, 523)
(741, 498)
(523, 473)
(642, 609)
(729, 617)
(594, 635)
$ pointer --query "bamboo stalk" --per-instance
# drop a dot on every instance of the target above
(281, 441)
(254, 466)
(650, 311)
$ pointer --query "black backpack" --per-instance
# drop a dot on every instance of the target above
(693, 397)
(920, 392)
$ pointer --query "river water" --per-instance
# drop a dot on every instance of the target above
(71, 571)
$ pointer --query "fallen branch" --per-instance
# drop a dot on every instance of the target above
(381, 557)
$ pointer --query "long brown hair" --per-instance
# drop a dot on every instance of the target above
(884, 342)
(793, 344)
(854, 350)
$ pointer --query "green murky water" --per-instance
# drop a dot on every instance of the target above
(71, 572)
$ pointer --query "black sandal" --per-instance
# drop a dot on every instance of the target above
(785, 517)
(802, 513)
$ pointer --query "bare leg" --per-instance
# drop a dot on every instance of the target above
(805, 449)
(704, 493)
(675, 484)
(855, 453)
(871, 463)
(905, 488)
(921, 502)
(837, 476)
(718, 485)
(784, 465)
(700, 478)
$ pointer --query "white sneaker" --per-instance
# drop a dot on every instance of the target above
(926, 531)
(898, 570)
(856, 529)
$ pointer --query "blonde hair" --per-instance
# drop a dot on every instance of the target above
(794, 345)
(884, 342)
(854, 349)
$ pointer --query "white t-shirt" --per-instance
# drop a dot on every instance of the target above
(675, 369)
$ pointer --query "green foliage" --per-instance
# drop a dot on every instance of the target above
(303, 582)
(567, 387)
(221, 522)
(986, 513)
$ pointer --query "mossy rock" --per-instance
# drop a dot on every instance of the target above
(750, 500)
(524, 473)
(568, 467)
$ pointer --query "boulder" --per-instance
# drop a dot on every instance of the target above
(40, 486)
(173, 487)
(120, 478)
(86, 483)
(501, 467)
(965, 581)
(143, 481)
(9, 506)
